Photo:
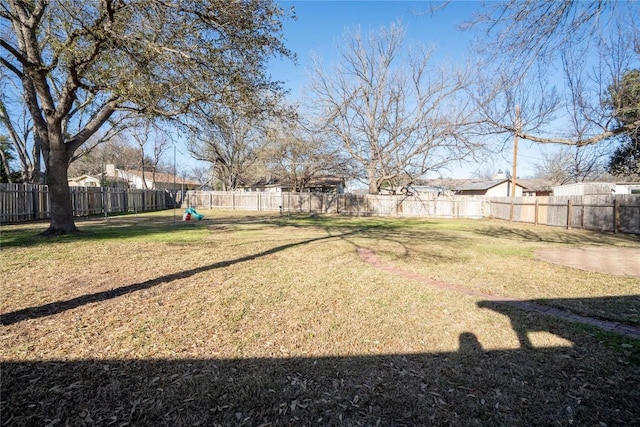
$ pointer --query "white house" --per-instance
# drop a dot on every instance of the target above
(491, 188)
(156, 181)
(325, 184)
(84, 181)
(100, 180)
(596, 188)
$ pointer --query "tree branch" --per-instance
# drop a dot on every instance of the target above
(11, 67)
(578, 142)
(92, 127)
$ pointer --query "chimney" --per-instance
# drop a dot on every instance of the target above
(500, 175)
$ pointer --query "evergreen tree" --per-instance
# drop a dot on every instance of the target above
(625, 101)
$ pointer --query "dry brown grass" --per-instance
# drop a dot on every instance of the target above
(254, 319)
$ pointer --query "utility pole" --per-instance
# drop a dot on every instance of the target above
(175, 193)
(515, 153)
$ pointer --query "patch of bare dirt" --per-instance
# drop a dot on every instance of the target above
(608, 260)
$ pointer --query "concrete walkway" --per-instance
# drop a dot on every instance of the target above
(369, 256)
(608, 260)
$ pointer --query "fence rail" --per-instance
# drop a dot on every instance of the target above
(25, 202)
(613, 213)
(345, 204)
(616, 213)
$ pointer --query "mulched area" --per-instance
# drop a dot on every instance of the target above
(369, 256)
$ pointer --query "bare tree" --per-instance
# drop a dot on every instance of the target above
(80, 63)
(394, 112)
(91, 159)
(19, 127)
(625, 159)
(145, 132)
(230, 140)
(572, 164)
(298, 155)
(527, 40)
(6, 158)
(202, 175)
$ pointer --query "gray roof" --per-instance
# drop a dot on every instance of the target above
(535, 184)
(481, 185)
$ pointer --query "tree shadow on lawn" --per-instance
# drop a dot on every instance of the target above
(582, 384)
(331, 233)
(61, 306)
(378, 229)
(130, 226)
(556, 235)
(96, 229)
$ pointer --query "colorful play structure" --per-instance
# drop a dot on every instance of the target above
(190, 213)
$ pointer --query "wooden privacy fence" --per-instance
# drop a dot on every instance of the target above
(614, 213)
(345, 204)
(24, 202)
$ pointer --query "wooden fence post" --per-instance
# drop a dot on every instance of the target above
(616, 215)
(569, 214)
(34, 198)
(535, 212)
(511, 211)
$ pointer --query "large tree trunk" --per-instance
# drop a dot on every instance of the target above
(59, 196)
(373, 180)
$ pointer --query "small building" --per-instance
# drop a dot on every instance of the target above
(325, 184)
(100, 180)
(267, 185)
(596, 188)
(156, 181)
(535, 187)
(491, 188)
(437, 190)
(84, 181)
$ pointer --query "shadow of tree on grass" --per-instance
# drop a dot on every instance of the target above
(584, 383)
(471, 386)
(558, 235)
(61, 306)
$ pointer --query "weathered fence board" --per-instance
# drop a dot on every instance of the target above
(25, 202)
(346, 204)
(612, 213)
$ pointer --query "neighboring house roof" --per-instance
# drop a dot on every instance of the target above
(468, 184)
(157, 180)
(485, 185)
(326, 181)
(83, 178)
(165, 178)
(98, 178)
(263, 182)
(536, 184)
(443, 183)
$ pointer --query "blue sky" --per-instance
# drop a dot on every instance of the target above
(320, 24)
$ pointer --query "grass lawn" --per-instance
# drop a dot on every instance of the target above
(255, 319)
